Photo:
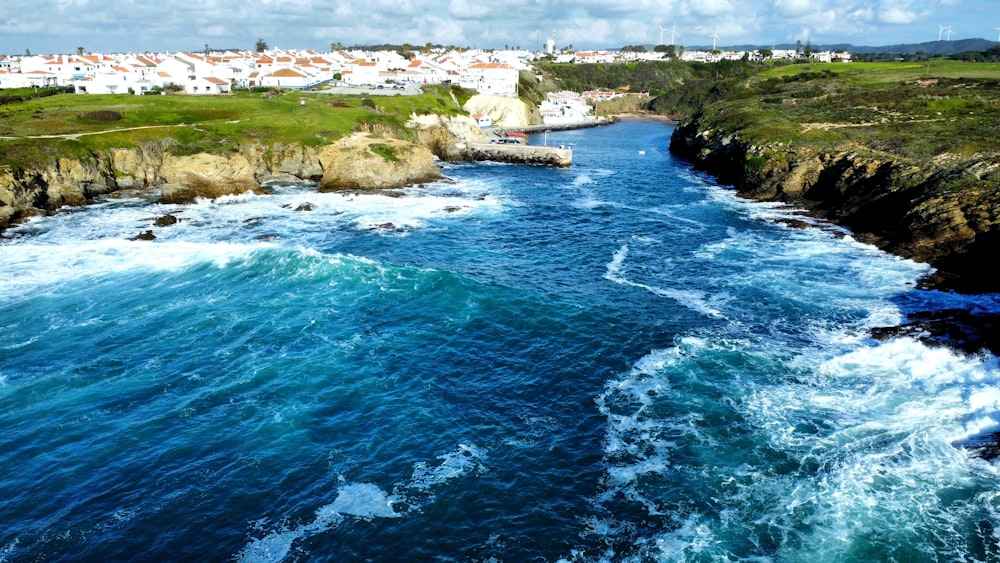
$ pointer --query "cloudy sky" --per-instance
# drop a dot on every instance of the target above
(61, 26)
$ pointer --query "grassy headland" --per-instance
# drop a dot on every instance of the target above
(37, 130)
(915, 111)
(905, 154)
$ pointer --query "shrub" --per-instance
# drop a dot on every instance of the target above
(385, 151)
(101, 115)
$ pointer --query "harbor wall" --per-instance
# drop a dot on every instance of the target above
(520, 154)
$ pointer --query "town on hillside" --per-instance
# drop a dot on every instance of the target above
(490, 72)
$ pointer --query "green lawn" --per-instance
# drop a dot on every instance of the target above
(203, 123)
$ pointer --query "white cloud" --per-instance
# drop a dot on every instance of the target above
(863, 14)
(707, 7)
(896, 15)
(794, 7)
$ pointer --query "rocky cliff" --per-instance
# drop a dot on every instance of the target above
(944, 212)
(356, 162)
(443, 135)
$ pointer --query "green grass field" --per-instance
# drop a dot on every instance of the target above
(911, 110)
(892, 71)
(201, 123)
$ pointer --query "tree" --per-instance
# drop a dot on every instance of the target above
(261, 46)
(27, 52)
(336, 46)
(766, 53)
(208, 49)
(79, 50)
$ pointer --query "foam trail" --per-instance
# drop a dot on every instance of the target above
(697, 301)
(367, 501)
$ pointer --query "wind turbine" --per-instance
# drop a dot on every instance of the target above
(998, 38)
(715, 38)
(949, 33)
(673, 33)
(662, 29)
(941, 29)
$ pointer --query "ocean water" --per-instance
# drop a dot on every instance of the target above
(619, 361)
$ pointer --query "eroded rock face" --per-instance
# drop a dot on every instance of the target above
(362, 162)
(443, 135)
(206, 176)
(943, 212)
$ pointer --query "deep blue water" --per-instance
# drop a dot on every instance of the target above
(619, 361)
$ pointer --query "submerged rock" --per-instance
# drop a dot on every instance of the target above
(959, 329)
(166, 220)
(145, 235)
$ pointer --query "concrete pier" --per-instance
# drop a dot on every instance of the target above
(520, 154)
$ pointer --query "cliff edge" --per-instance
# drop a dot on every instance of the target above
(944, 212)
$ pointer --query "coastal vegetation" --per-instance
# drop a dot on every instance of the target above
(37, 130)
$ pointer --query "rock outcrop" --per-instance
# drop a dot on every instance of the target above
(366, 163)
(210, 176)
(443, 135)
(945, 212)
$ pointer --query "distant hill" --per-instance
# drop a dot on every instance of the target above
(929, 47)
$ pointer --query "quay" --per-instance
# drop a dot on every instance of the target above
(519, 154)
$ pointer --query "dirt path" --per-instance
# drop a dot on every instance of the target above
(78, 135)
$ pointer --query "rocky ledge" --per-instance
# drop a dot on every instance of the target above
(944, 212)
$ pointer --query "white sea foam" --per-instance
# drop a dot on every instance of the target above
(367, 501)
(93, 241)
(871, 429)
(106, 257)
(695, 300)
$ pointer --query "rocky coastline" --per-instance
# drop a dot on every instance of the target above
(360, 161)
(945, 212)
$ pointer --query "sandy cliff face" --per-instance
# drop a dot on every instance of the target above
(506, 112)
(945, 212)
(187, 178)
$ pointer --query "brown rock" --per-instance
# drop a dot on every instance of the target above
(359, 162)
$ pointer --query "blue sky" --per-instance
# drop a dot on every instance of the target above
(60, 26)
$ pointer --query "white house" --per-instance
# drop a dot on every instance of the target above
(207, 85)
(287, 78)
(360, 71)
(482, 120)
(497, 79)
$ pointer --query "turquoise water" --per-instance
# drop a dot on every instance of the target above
(620, 361)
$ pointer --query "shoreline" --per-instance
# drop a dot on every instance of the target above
(969, 330)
